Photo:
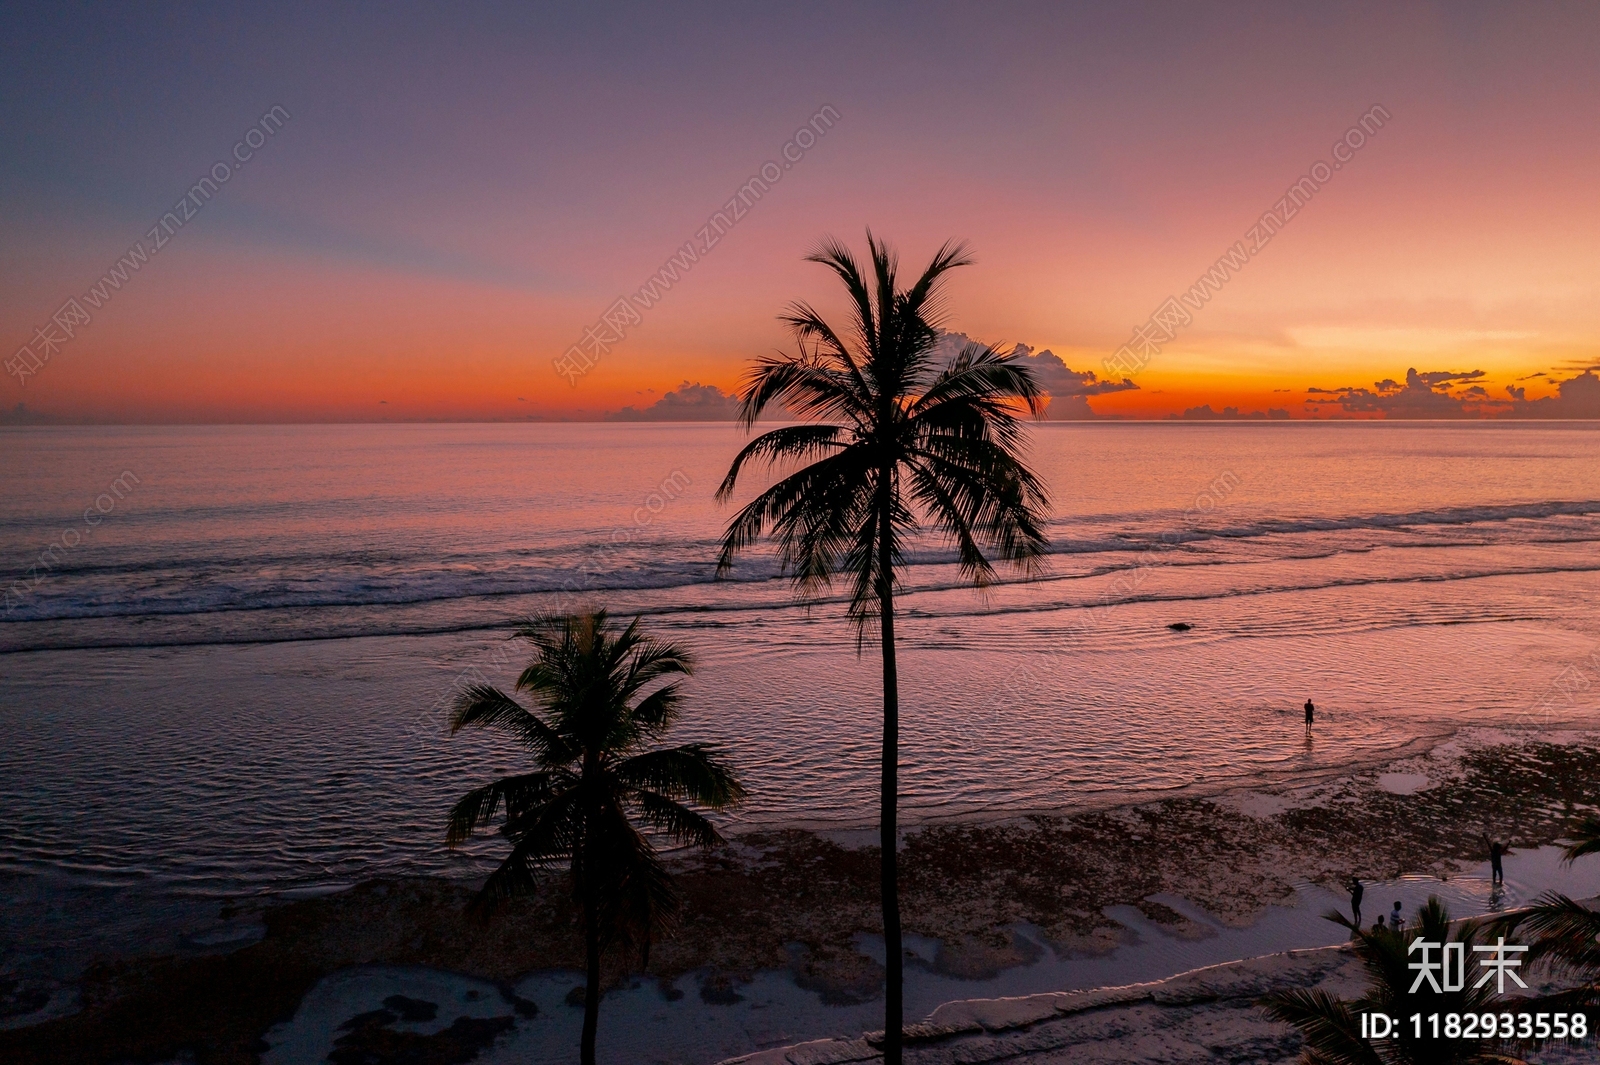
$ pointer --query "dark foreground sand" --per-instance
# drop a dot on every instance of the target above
(749, 905)
(1207, 1016)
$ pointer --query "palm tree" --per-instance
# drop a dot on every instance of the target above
(598, 772)
(920, 443)
(1566, 932)
(1585, 841)
(1332, 1026)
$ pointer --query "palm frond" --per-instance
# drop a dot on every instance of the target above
(803, 386)
(517, 794)
(812, 511)
(956, 518)
(484, 706)
(694, 771)
(1331, 1028)
(1586, 840)
(657, 711)
(808, 325)
(921, 298)
(541, 837)
(513, 878)
(790, 443)
(1563, 929)
(836, 257)
(649, 660)
(996, 506)
(676, 820)
(978, 373)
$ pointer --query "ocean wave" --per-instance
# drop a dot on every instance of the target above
(364, 623)
(212, 581)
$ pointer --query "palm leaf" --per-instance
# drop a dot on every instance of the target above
(693, 771)
(1585, 841)
(484, 706)
(1331, 1028)
(477, 808)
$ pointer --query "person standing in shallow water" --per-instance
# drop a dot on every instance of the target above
(1310, 712)
(1497, 851)
(1356, 891)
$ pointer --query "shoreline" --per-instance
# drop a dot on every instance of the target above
(1178, 1020)
(794, 902)
(1095, 802)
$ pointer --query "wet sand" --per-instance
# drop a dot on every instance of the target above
(801, 903)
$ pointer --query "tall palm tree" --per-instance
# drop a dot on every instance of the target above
(1332, 1026)
(599, 770)
(920, 444)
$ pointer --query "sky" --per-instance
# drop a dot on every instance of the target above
(380, 213)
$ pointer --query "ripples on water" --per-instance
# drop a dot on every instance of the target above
(234, 681)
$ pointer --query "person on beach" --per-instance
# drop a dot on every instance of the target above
(1380, 926)
(1397, 921)
(1310, 712)
(1356, 891)
(1497, 851)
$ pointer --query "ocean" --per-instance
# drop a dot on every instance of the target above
(226, 652)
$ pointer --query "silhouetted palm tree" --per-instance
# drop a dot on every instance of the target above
(1332, 1026)
(918, 443)
(1566, 932)
(1585, 841)
(598, 773)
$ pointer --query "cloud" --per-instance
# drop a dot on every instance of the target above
(686, 403)
(1424, 395)
(1577, 397)
(1068, 389)
(1204, 413)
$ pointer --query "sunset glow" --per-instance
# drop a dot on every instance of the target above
(622, 533)
(414, 243)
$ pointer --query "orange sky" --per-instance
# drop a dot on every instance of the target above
(421, 242)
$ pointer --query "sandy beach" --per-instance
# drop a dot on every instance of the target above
(1200, 1017)
(982, 900)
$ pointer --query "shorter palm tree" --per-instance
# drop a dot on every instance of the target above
(1585, 841)
(1332, 1026)
(1566, 932)
(599, 771)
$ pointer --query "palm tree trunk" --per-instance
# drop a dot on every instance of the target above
(888, 821)
(591, 995)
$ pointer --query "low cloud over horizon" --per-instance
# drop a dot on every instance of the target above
(1456, 394)
(1204, 413)
(686, 403)
(1069, 389)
